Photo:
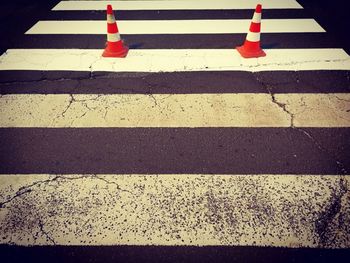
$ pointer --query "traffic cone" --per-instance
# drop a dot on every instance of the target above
(251, 47)
(115, 47)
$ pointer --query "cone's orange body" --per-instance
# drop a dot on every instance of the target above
(115, 47)
(251, 47)
(115, 50)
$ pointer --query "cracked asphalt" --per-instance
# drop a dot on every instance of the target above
(173, 162)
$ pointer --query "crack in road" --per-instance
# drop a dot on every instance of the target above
(29, 188)
(257, 65)
(151, 95)
(114, 183)
(340, 99)
(324, 223)
(48, 237)
(320, 147)
(71, 100)
(283, 106)
(25, 189)
(303, 62)
(83, 102)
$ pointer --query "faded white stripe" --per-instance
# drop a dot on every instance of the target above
(175, 26)
(175, 110)
(172, 60)
(196, 210)
(176, 5)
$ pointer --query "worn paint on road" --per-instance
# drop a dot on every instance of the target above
(176, 110)
(263, 210)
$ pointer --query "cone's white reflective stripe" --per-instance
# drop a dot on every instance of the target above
(110, 19)
(256, 18)
(253, 36)
(113, 37)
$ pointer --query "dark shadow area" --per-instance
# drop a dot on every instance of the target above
(333, 16)
(271, 45)
(17, 16)
(136, 45)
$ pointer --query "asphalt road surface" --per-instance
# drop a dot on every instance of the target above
(183, 151)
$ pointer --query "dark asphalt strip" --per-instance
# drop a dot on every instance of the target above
(27, 12)
(175, 14)
(75, 82)
(174, 150)
(179, 41)
(170, 254)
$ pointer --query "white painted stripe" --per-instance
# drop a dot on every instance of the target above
(256, 17)
(113, 37)
(175, 110)
(175, 26)
(197, 210)
(176, 5)
(171, 60)
(253, 37)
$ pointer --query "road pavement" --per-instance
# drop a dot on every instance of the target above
(183, 151)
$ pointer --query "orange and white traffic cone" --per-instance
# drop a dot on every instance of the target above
(115, 47)
(251, 47)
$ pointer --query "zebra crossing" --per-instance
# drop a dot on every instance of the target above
(172, 5)
(183, 142)
(180, 110)
(179, 60)
(174, 26)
